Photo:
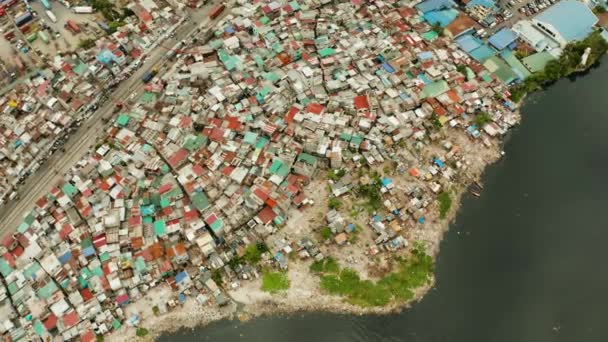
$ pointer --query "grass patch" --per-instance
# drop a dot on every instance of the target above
(141, 332)
(274, 282)
(327, 265)
(445, 203)
(396, 286)
(326, 233)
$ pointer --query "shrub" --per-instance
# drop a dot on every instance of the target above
(141, 332)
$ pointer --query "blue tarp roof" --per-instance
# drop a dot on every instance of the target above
(442, 17)
(572, 19)
(386, 181)
(389, 68)
(425, 55)
(181, 276)
(468, 43)
(87, 252)
(502, 38)
(434, 5)
(65, 258)
(484, 3)
(482, 53)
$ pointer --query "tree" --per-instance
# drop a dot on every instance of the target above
(141, 332)
(461, 68)
(482, 118)
(599, 9)
(437, 28)
(253, 252)
(334, 203)
(86, 43)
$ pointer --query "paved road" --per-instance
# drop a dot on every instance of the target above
(80, 142)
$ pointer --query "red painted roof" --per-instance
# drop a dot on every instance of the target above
(71, 319)
(361, 102)
(315, 108)
(51, 322)
(266, 215)
(178, 157)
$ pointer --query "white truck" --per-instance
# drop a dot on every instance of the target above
(51, 16)
(82, 9)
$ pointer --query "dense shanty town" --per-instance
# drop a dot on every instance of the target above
(243, 139)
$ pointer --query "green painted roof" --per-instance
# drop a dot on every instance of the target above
(307, 158)
(39, 328)
(430, 36)
(195, 142)
(250, 138)
(217, 225)
(537, 61)
(30, 272)
(140, 265)
(122, 120)
(147, 97)
(47, 290)
(514, 63)
(434, 89)
(160, 228)
(69, 190)
(5, 268)
(501, 69)
(261, 142)
(326, 52)
(200, 201)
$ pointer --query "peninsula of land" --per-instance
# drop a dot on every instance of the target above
(285, 156)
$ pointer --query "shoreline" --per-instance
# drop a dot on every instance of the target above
(192, 317)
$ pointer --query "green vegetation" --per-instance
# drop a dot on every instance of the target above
(482, 118)
(327, 265)
(99, 338)
(335, 175)
(462, 69)
(106, 8)
(396, 286)
(274, 282)
(435, 121)
(437, 28)
(326, 233)
(520, 54)
(599, 9)
(141, 332)
(216, 275)
(445, 203)
(114, 25)
(354, 235)
(334, 203)
(253, 252)
(86, 43)
(156, 310)
(372, 193)
(568, 63)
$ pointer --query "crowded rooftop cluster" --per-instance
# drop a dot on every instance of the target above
(221, 152)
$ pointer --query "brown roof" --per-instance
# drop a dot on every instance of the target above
(461, 24)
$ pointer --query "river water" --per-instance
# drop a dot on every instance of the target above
(525, 262)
